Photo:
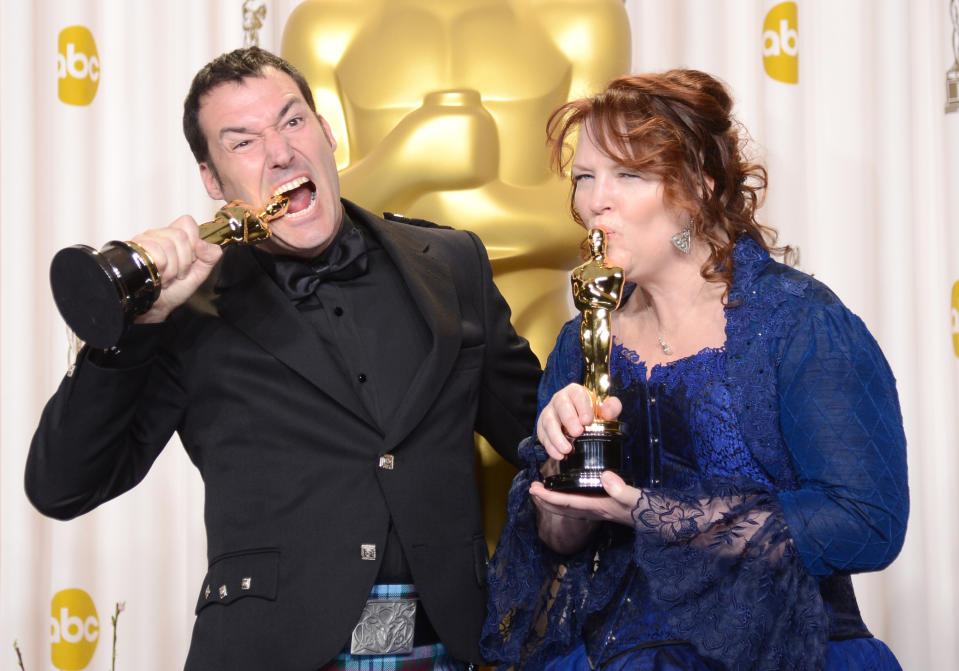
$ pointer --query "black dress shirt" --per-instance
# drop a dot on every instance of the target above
(362, 318)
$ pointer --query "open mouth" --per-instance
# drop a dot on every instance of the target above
(302, 194)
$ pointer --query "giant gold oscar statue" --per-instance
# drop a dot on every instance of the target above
(439, 108)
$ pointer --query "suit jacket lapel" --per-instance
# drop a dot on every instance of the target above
(250, 300)
(431, 286)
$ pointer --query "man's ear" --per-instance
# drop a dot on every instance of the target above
(327, 130)
(211, 181)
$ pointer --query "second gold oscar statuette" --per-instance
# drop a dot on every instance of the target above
(99, 292)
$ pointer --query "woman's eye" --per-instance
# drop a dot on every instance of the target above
(578, 178)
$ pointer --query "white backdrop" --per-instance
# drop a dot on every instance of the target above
(864, 166)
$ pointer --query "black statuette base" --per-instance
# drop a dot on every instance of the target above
(98, 293)
(593, 452)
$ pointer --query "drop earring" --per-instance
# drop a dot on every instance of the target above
(681, 239)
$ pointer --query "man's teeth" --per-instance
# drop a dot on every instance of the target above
(305, 210)
(289, 186)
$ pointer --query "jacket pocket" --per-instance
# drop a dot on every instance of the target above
(240, 575)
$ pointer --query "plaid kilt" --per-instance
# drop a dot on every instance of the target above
(432, 657)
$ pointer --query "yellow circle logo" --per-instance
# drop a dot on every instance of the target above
(781, 43)
(955, 318)
(74, 629)
(78, 66)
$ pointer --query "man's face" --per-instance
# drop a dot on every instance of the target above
(265, 140)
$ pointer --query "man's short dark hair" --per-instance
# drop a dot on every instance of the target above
(234, 66)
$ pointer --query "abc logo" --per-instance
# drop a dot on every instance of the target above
(74, 629)
(955, 318)
(781, 43)
(78, 66)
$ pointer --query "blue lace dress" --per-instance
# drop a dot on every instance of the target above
(781, 467)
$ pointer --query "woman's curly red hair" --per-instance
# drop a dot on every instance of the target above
(676, 126)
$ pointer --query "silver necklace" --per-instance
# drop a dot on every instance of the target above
(662, 335)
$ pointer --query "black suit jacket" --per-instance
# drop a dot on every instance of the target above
(291, 462)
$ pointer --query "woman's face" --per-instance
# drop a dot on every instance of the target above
(629, 207)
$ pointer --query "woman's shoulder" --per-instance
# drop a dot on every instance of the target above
(796, 307)
(567, 341)
(786, 304)
(759, 277)
(796, 284)
(571, 326)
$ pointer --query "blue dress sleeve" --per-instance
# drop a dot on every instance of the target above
(842, 426)
(563, 366)
(537, 598)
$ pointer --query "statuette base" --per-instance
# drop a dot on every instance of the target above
(598, 449)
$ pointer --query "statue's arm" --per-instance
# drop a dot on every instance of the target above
(317, 35)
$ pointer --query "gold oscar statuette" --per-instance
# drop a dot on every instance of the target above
(98, 293)
(597, 292)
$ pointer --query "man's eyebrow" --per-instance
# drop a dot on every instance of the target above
(244, 130)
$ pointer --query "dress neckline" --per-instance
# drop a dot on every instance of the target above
(661, 369)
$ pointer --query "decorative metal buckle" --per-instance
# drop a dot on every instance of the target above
(385, 628)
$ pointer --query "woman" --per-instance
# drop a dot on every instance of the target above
(766, 404)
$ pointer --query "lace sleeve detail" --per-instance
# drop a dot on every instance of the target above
(723, 567)
(539, 600)
(530, 608)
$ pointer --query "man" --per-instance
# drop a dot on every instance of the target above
(326, 384)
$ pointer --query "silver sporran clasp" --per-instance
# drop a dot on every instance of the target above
(385, 628)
